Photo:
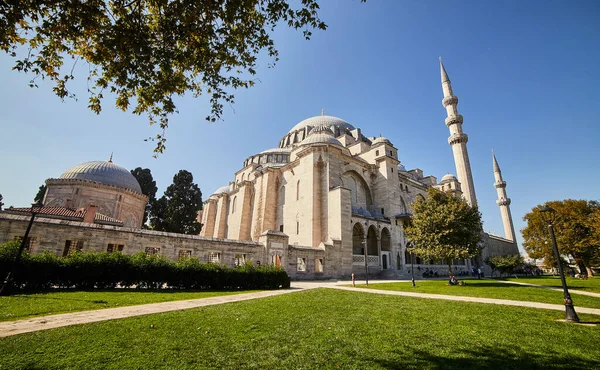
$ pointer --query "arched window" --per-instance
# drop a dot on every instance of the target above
(298, 190)
(233, 205)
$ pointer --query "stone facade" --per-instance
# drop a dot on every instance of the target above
(326, 203)
(113, 201)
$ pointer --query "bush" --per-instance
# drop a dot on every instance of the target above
(108, 270)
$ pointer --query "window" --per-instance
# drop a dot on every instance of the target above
(239, 260)
(152, 251)
(318, 265)
(29, 243)
(233, 205)
(281, 228)
(184, 254)
(115, 248)
(298, 190)
(76, 191)
(377, 152)
(392, 169)
(382, 211)
(72, 246)
(297, 227)
(301, 266)
(214, 257)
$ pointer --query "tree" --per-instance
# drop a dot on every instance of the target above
(40, 194)
(145, 52)
(1, 204)
(149, 189)
(573, 227)
(176, 211)
(444, 226)
(504, 264)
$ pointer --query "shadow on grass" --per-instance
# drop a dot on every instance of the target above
(485, 357)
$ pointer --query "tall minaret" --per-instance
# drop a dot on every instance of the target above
(458, 140)
(503, 201)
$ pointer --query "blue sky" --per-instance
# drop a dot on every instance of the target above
(526, 74)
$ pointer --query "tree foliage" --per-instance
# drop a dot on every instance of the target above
(504, 264)
(444, 226)
(177, 210)
(40, 194)
(1, 203)
(143, 53)
(574, 229)
(148, 185)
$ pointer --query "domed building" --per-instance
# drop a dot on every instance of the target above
(112, 189)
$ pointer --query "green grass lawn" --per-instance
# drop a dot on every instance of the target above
(317, 329)
(590, 285)
(488, 289)
(22, 306)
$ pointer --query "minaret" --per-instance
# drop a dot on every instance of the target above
(458, 140)
(503, 201)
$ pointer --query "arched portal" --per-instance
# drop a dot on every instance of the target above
(372, 241)
(386, 242)
(358, 235)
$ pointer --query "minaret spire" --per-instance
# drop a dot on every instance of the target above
(503, 201)
(110, 160)
(458, 139)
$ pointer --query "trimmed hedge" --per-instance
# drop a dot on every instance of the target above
(108, 270)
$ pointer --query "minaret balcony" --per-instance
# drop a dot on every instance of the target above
(450, 100)
(503, 202)
(500, 184)
(453, 120)
(458, 138)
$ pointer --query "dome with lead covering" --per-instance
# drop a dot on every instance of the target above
(102, 172)
(322, 121)
(221, 190)
(449, 177)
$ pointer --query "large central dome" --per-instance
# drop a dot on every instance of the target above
(322, 121)
(102, 172)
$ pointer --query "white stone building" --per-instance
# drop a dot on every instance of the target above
(326, 202)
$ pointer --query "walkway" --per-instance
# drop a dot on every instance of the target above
(9, 328)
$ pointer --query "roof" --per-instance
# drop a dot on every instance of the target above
(222, 189)
(103, 172)
(66, 213)
(322, 120)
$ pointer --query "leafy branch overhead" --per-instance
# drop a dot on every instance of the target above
(146, 52)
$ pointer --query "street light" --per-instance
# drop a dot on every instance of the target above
(364, 243)
(548, 215)
(35, 209)
(412, 264)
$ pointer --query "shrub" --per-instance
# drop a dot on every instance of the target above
(103, 270)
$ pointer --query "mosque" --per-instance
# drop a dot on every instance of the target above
(327, 202)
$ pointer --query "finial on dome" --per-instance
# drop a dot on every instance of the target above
(323, 112)
(110, 160)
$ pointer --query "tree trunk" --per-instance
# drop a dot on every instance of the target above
(449, 270)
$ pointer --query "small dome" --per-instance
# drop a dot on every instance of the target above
(381, 139)
(106, 173)
(327, 121)
(221, 190)
(401, 167)
(449, 177)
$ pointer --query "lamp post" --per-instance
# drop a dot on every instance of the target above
(364, 242)
(12, 269)
(412, 265)
(548, 215)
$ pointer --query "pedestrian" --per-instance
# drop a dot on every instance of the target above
(473, 271)
(478, 273)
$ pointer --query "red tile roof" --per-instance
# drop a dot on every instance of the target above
(67, 213)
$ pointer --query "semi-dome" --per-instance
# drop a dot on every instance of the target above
(320, 135)
(221, 190)
(106, 173)
(320, 121)
(449, 177)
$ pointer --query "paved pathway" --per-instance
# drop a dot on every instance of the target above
(9, 328)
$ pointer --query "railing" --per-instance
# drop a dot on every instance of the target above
(359, 259)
